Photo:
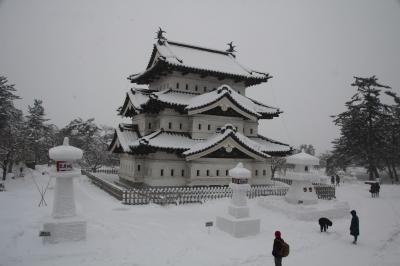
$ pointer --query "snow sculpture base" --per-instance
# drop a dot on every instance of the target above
(64, 230)
(239, 212)
(238, 227)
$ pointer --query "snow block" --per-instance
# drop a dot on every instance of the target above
(238, 227)
(239, 212)
(64, 230)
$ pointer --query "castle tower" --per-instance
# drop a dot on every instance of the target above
(193, 122)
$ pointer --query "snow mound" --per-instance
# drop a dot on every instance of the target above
(331, 209)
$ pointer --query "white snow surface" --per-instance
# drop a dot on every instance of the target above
(149, 235)
(302, 158)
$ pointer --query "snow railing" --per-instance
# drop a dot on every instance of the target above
(108, 187)
(185, 195)
(102, 170)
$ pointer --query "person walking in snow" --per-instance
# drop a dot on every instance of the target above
(337, 180)
(332, 180)
(277, 249)
(354, 226)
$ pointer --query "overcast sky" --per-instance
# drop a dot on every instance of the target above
(76, 55)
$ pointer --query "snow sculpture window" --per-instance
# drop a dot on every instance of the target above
(162, 172)
(149, 126)
(251, 131)
(138, 167)
(177, 85)
(183, 172)
(199, 126)
(180, 125)
(227, 172)
(196, 88)
(187, 86)
(256, 172)
(305, 189)
(209, 127)
(208, 172)
(169, 125)
(172, 172)
(264, 172)
(310, 189)
(306, 168)
(205, 88)
(198, 172)
(217, 172)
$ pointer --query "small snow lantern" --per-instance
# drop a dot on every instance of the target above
(64, 225)
(239, 223)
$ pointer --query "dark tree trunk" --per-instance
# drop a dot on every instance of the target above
(396, 177)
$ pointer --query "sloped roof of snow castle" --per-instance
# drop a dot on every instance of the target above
(138, 100)
(128, 140)
(168, 56)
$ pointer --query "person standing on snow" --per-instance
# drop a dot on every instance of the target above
(277, 249)
(354, 226)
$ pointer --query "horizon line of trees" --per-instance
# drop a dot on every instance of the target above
(27, 138)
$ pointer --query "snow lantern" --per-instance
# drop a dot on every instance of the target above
(64, 202)
(301, 190)
(239, 223)
(64, 225)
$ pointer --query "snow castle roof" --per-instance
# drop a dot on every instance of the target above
(302, 158)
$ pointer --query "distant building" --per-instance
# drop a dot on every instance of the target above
(194, 122)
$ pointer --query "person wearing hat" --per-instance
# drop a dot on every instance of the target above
(354, 226)
(277, 249)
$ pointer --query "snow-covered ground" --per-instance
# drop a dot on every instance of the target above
(176, 235)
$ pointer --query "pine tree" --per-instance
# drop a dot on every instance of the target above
(11, 127)
(362, 127)
(38, 132)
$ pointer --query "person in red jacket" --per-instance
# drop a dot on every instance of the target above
(277, 249)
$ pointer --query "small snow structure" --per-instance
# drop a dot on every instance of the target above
(302, 190)
(239, 223)
(64, 225)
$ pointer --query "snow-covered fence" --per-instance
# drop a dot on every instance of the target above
(110, 188)
(102, 170)
(183, 195)
(325, 191)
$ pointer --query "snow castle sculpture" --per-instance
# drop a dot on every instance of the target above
(64, 225)
(302, 190)
(239, 223)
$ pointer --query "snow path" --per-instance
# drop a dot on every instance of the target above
(175, 235)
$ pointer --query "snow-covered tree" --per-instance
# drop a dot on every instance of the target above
(362, 127)
(93, 140)
(277, 164)
(11, 127)
(307, 148)
(39, 133)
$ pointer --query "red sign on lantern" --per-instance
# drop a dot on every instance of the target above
(63, 166)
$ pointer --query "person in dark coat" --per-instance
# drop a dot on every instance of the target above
(332, 180)
(354, 226)
(337, 180)
(277, 249)
(324, 223)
